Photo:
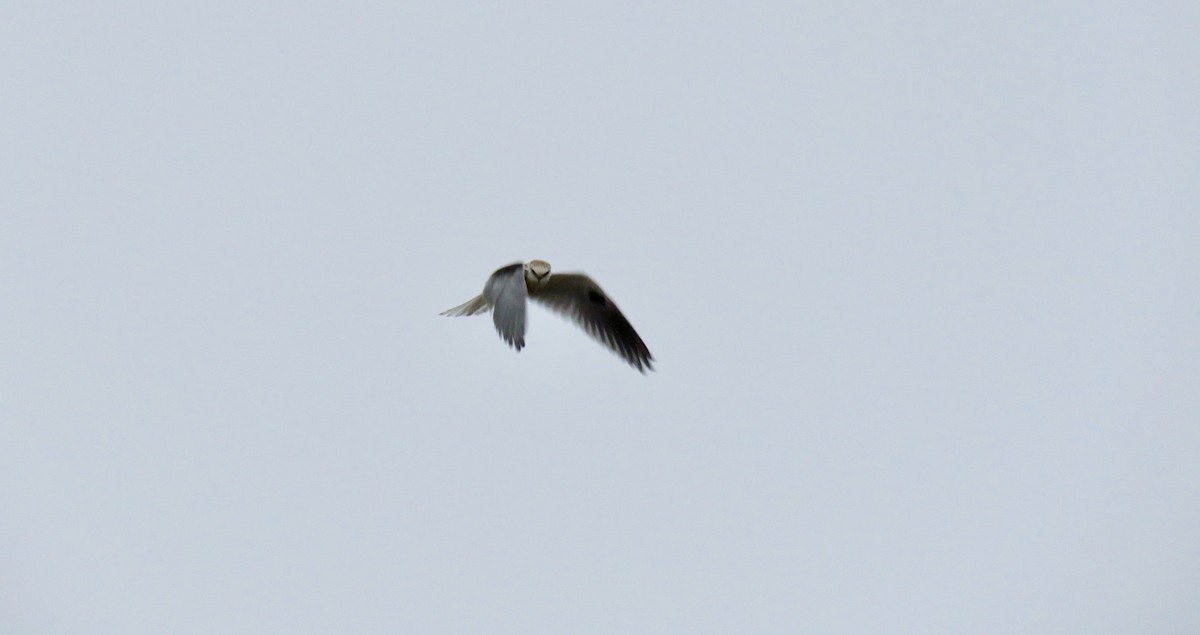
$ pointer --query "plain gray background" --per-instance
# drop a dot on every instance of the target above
(921, 280)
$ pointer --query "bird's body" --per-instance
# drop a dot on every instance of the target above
(573, 295)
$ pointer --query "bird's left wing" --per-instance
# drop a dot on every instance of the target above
(579, 298)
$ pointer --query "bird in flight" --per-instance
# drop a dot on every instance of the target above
(572, 295)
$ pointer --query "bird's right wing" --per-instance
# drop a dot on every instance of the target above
(505, 290)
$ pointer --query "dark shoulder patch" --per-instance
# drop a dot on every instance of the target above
(596, 297)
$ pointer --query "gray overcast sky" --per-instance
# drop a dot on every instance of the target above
(921, 279)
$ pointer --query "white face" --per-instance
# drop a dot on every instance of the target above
(537, 273)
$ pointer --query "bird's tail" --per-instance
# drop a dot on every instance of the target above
(474, 306)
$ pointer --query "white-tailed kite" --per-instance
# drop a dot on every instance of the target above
(572, 295)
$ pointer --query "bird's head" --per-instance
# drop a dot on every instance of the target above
(537, 273)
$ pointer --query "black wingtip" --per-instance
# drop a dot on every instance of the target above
(642, 364)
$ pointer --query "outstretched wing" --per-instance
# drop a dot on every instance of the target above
(580, 299)
(505, 290)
